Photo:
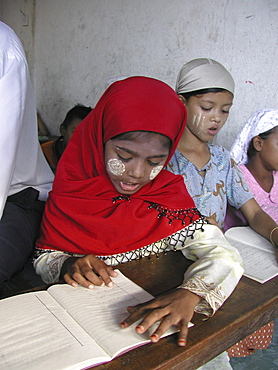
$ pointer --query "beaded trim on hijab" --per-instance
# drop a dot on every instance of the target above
(175, 214)
(171, 214)
(176, 241)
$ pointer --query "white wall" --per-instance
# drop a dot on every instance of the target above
(78, 44)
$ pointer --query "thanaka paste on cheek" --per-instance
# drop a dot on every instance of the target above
(115, 166)
(155, 171)
(198, 121)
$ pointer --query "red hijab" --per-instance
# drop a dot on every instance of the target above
(84, 213)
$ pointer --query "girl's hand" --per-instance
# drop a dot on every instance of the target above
(174, 308)
(87, 271)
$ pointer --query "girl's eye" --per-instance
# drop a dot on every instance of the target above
(123, 159)
(225, 111)
(206, 109)
(153, 164)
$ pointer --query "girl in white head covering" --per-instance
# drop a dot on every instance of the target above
(256, 151)
(258, 124)
(212, 177)
(206, 88)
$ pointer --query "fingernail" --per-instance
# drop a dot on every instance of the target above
(181, 342)
(154, 337)
(123, 324)
(91, 286)
(140, 328)
(74, 285)
(110, 284)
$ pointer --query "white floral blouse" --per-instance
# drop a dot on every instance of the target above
(223, 183)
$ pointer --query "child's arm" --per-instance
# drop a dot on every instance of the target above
(207, 284)
(260, 221)
(217, 269)
(55, 265)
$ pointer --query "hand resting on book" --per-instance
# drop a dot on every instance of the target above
(173, 308)
(87, 271)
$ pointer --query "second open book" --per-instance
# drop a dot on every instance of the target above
(69, 328)
(258, 254)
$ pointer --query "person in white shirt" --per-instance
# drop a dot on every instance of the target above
(25, 175)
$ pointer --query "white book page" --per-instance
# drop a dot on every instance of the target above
(258, 254)
(101, 310)
(36, 333)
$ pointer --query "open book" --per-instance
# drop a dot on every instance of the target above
(69, 328)
(258, 253)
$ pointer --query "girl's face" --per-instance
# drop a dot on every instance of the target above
(68, 132)
(131, 164)
(207, 113)
(269, 151)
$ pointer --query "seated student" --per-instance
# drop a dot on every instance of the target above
(113, 202)
(256, 153)
(210, 174)
(25, 176)
(55, 148)
(212, 177)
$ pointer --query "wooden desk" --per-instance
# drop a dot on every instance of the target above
(251, 306)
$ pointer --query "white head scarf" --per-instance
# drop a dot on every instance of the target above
(261, 121)
(203, 73)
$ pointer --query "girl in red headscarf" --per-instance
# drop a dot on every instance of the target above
(112, 202)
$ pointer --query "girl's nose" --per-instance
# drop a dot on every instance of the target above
(216, 117)
(137, 169)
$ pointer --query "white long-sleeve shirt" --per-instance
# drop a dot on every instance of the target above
(22, 163)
